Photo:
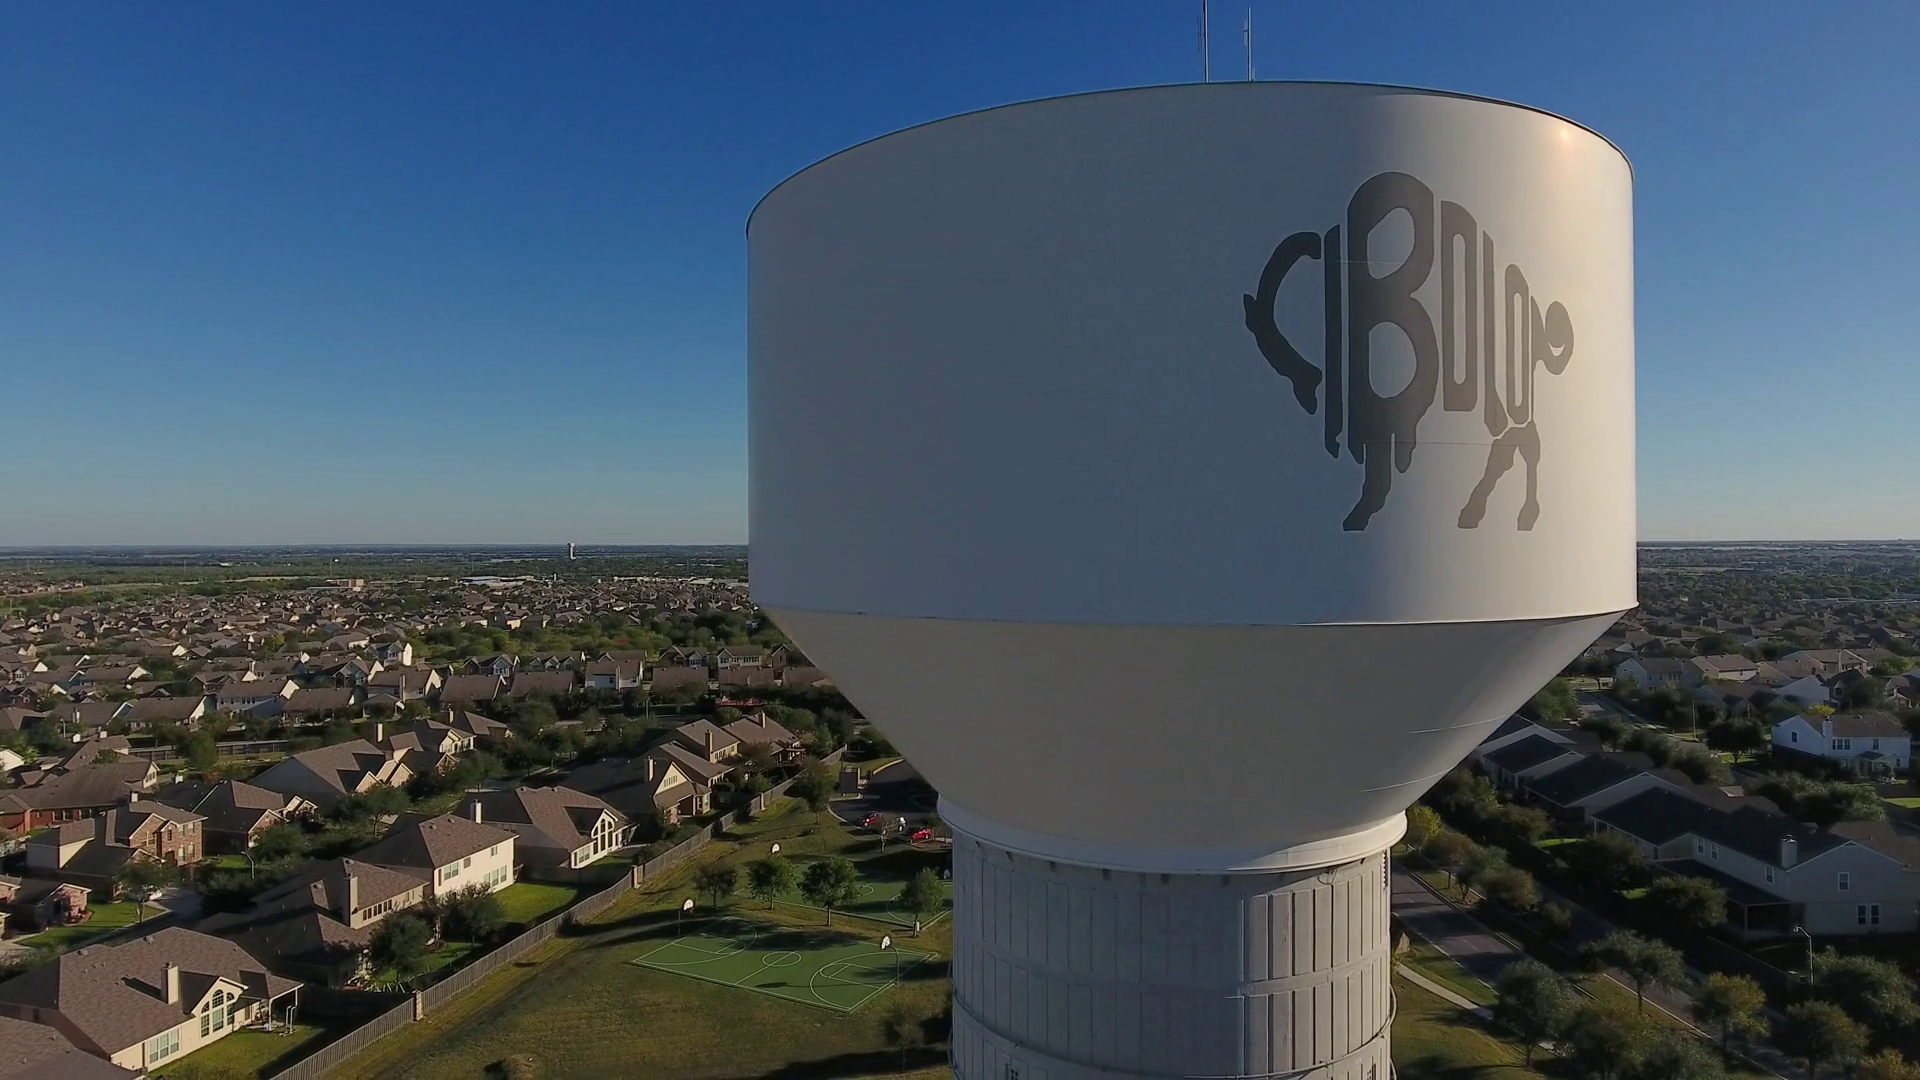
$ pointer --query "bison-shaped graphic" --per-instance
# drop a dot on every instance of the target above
(1464, 363)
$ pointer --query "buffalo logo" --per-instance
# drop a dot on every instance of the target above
(1475, 309)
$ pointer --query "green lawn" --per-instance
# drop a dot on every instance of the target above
(571, 1005)
(1443, 969)
(1433, 1040)
(838, 971)
(879, 900)
(1911, 802)
(250, 1053)
(106, 919)
(528, 902)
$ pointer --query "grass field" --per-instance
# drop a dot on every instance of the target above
(106, 919)
(250, 1053)
(527, 902)
(879, 900)
(580, 1006)
(1433, 1040)
(834, 971)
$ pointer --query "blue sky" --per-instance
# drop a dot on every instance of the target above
(471, 272)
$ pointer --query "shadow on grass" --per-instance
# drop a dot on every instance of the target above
(860, 1064)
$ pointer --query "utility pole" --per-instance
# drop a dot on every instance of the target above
(1246, 32)
(1206, 60)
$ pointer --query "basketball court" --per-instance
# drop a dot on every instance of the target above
(830, 971)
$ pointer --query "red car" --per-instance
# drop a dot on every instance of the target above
(870, 820)
(923, 834)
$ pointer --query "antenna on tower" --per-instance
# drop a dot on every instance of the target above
(1246, 31)
(1206, 61)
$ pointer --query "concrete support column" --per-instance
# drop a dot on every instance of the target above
(1069, 972)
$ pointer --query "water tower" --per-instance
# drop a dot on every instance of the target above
(1185, 478)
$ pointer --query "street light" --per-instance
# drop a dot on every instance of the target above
(1802, 931)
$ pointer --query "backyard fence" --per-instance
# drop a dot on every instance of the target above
(417, 1006)
(247, 748)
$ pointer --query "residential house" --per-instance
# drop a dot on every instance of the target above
(325, 775)
(318, 924)
(683, 656)
(613, 675)
(92, 851)
(1830, 662)
(556, 826)
(404, 684)
(39, 903)
(501, 665)
(759, 730)
(749, 678)
(309, 704)
(441, 740)
(1596, 782)
(709, 741)
(236, 813)
(261, 697)
(803, 676)
(547, 683)
(1728, 668)
(38, 1052)
(150, 999)
(1651, 673)
(394, 653)
(477, 725)
(471, 689)
(75, 789)
(454, 852)
(1868, 742)
(1531, 757)
(1512, 730)
(739, 656)
(1778, 873)
(144, 713)
(676, 677)
(641, 787)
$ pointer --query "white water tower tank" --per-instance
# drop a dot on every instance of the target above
(1185, 478)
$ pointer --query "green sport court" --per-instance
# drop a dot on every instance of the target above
(828, 970)
(879, 899)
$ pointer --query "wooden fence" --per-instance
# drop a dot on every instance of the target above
(420, 1004)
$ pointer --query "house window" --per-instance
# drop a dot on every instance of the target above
(1846, 881)
(1699, 846)
(1843, 744)
(468, 861)
(1794, 736)
(1769, 875)
(1715, 852)
(493, 851)
(1867, 914)
(1876, 744)
(448, 873)
(163, 1045)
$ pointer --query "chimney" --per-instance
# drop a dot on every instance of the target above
(350, 897)
(379, 731)
(708, 737)
(473, 811)
(1789, 852)
(653, 769)
(170, 983)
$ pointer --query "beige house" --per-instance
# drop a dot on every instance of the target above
(452, 851)
(148, 1001)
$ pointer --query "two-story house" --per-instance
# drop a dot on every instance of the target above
(454, 852)
(149, 1000)
(556, 826)
(327, 774)
(1728, 668)
(640, 787)
(1529, 758)
(1652, 672)
(1866, 742)
(261, 697)
(318, 925)
(92, 851)
(613, 675)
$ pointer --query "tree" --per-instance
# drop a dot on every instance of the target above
(1448, 850)
(717, 880)
(1608, 859)
(1820, 1033)
(1603, 1041)
(1518, 826)
(1481, 864)
(1873, 991)
(1611, 729)
(924, 893)
(1886, 1065)
(830, 883)
(199, 750)
(1555, 701)
(1555, 920)
(1733, 1004)
(1644, 962)
(283, 841)
(1695, 903)
(902, 1029)
(814, 785)
(400, 944)
(1423, 824)
(771, 878)
(1741, 738)
(1511, 888)
(1534, 1003)
(144, 879)
(1676, 1056)
(474, 913)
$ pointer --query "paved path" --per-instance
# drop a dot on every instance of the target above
(1443, 993)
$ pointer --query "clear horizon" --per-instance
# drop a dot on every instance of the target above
(284, 276)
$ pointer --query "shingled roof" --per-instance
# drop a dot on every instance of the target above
(38, 1052)
(113, 995)
(430, 843)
